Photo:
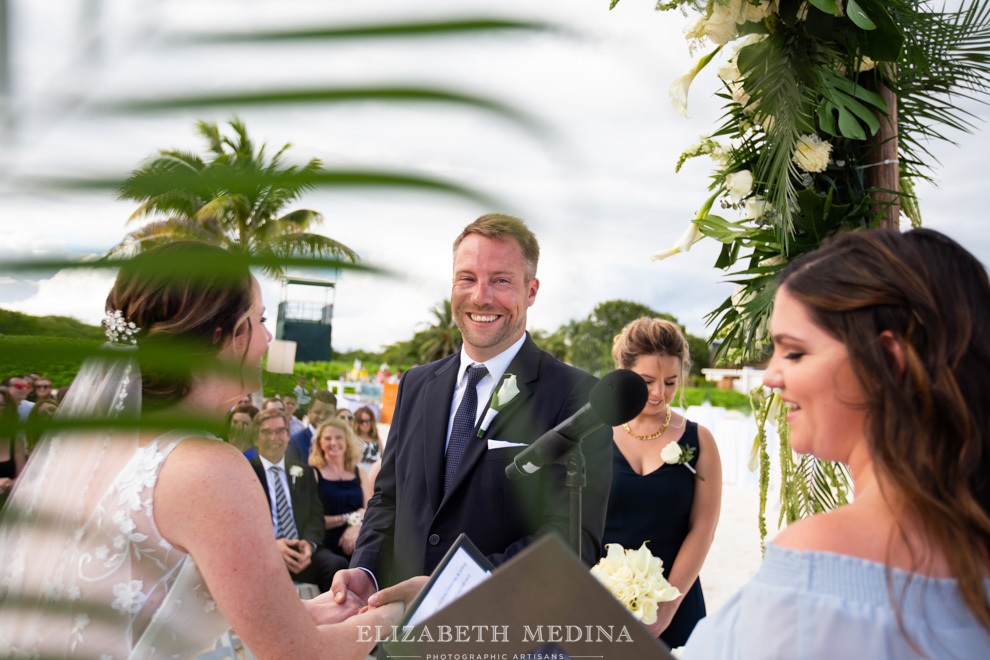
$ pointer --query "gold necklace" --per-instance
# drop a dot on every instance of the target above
(663, 428)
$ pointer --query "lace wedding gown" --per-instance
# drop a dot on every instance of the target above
(84, 571)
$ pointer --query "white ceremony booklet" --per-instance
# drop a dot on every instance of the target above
(461, 570)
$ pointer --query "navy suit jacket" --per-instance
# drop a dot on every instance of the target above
(307, 509)
(299, 445)
(411, 522)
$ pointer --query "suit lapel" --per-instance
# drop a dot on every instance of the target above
(437, 395)
(526, 368)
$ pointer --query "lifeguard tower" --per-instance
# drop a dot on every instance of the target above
(305, 316)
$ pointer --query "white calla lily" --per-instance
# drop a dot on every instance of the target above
(690, 236)
(679, 89)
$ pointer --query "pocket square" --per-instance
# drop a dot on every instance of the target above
(500, 444)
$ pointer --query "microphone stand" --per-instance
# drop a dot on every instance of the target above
(577, 479)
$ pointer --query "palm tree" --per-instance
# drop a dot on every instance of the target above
(232, 199)
(440, 339)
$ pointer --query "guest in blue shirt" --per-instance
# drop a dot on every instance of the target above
(882, 354)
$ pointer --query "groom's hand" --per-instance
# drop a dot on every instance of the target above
(324, 609)
(356, 580)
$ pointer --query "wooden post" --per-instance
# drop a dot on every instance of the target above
(884, 171)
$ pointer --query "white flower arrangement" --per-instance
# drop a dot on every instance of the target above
(635, 578)
(295, 471)
(505, 392)
(354, 518)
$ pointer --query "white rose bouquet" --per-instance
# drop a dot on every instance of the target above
(635, 578)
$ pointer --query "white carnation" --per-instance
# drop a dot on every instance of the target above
(812, 154)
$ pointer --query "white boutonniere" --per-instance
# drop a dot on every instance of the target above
(295, 471)
(505, 392)
(673, 454)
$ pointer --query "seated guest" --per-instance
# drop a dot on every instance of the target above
(367, 433)
(344, 489)
(297, 514)
(322, 407)
(238, 429)
(273, 402)
(12, 452)
(19, 387)
(38, 421)
(292, 408)
(42, 390)
(882, 356)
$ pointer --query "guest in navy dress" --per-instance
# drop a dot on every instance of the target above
(344, 487)
(666, 475)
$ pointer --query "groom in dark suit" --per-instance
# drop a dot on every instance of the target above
(297, 512)
(443, 471)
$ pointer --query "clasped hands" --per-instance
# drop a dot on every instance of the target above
(353, 592)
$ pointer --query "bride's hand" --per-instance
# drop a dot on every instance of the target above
(325, 609)
(404, 592)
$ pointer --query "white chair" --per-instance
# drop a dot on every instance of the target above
(306, 590)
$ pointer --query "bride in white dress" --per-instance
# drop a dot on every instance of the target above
(133, 543)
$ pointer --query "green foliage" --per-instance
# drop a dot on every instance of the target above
(802, 111)
(232, 198)
(587, 344)
(16, 323)
(51, 355)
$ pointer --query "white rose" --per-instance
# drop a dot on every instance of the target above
(671, 454)
(623, 593)
(755, 207)
(740, 184)
(812, 154)
(296, 471)
(756, 13)
(648, 611)
(721, 26)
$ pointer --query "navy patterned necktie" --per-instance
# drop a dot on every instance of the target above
(286, 525)
(464, 421)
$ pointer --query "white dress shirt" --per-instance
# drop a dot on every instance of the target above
(496, 366)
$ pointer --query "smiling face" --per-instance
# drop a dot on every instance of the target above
(19, 388)
(490, 294)
(333, 442)
(661, 375)
(812, 370)
(273, 438)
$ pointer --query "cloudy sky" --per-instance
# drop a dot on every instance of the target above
(599, 189)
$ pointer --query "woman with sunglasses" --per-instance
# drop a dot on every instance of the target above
(367, 433)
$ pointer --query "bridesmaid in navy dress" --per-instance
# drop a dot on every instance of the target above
(674, 503)
(344, 488)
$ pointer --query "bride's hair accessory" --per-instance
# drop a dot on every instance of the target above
(118, 329)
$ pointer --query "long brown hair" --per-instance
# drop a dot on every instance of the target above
(187, 295)
(928, 424)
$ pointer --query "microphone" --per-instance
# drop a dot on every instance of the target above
(615, 399)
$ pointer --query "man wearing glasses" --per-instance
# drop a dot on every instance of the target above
(294, 502)
(20, 387)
